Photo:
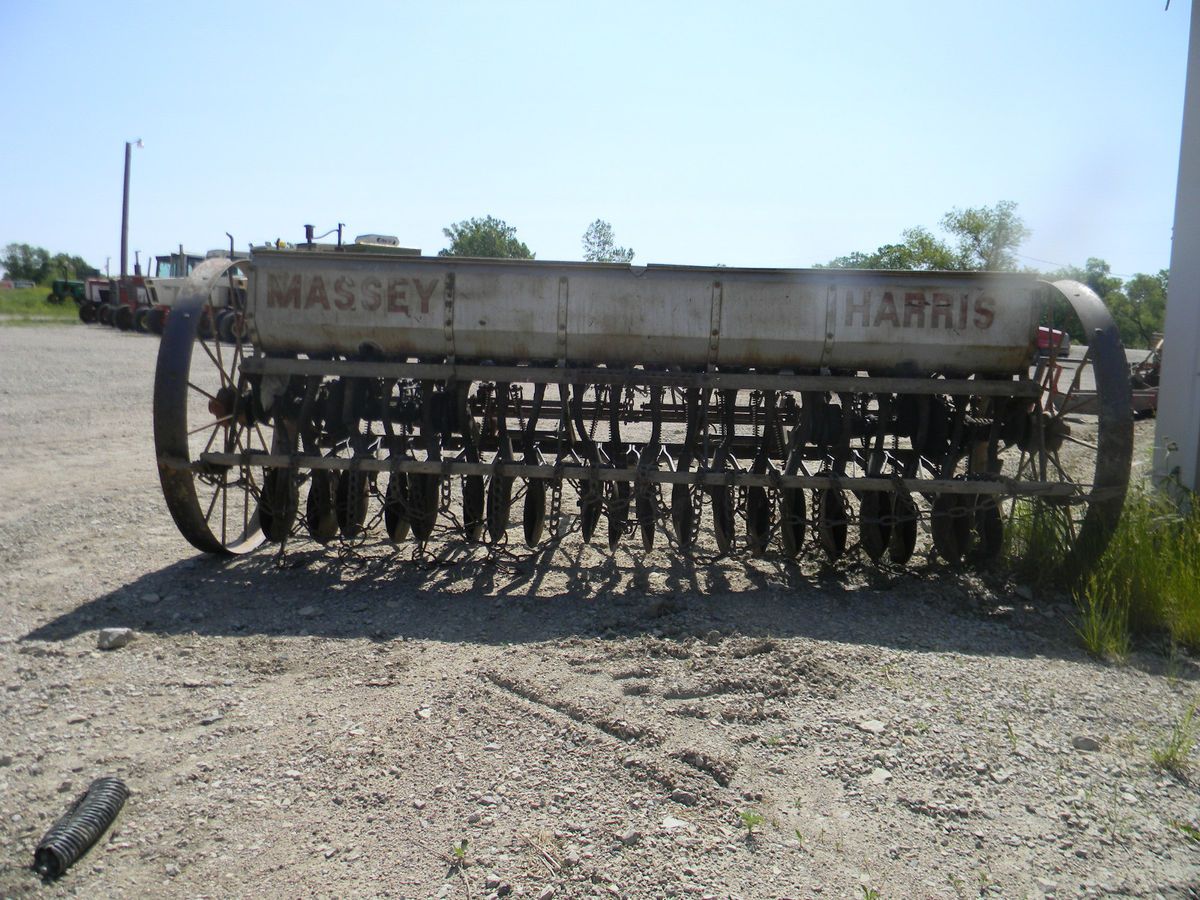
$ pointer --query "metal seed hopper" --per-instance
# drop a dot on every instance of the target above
(363, 391)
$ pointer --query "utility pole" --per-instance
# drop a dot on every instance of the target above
(125, 210)
(1177, 432)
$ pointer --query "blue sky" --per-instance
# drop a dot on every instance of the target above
(757, 134)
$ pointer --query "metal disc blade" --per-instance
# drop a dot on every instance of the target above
(591, 504)
(473, 507)
(989, 530)
(875, 523)
(319, 515)
(499, 505)
(395, 507)
(424, 496)
(722, 509)
(951, 527)
(831, 522)
(277, 505)
(646, 514)
(682, 515)
(903, 539)
(792, 516)
(351, 502)
(758, 520)
(534, 514)
(618, 512)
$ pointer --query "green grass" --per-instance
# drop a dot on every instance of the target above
(1036, 543)
(27, 306)
(1149, 577)
(1147, 581)
(1173, 753)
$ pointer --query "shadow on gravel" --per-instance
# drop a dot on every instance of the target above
(573, 591)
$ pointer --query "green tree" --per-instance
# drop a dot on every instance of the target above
(22, 261)
(918, 250)
(1139, 308)
(63, 265)
(600, 246)
(988, 236)
(489, 237)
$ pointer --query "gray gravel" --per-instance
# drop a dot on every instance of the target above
(573, 724)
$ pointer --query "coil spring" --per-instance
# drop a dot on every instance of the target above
(88, 818)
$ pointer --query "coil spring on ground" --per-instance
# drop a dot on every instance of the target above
(88, 818)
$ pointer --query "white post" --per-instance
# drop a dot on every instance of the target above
(1177, 435)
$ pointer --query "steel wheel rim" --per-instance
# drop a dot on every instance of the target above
(182, 392)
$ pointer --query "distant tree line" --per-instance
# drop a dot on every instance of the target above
(23, 262)
(987, 238)
(495, 238)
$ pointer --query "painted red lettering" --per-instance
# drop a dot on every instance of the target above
(914, 308)
(887, 310)
(372, 291)
(962, 313)
(943, 310)
(425, 292)
(985, 312)
(862, 308)
(395, 294)
(343, 293)
(316, 294)
(283, 290)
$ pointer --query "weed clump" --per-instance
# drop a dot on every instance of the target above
(1147, 581)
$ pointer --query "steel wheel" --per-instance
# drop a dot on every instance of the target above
(202, 404)
(1079, 432)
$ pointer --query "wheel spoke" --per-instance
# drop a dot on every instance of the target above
(212, 425)
(1081, 442)
(201, 390)
(225, 379)
(211, 504)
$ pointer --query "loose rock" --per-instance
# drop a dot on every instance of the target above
(113, 638)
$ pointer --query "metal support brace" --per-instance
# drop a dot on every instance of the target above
(448, 322)
(714, 330)
(563, 291)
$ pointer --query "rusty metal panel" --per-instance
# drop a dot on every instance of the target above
(519, 311)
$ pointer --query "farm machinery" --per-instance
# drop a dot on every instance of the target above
(142, 303)
(62, 289)
(762, 411)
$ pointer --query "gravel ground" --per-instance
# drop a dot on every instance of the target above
(578, 725)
